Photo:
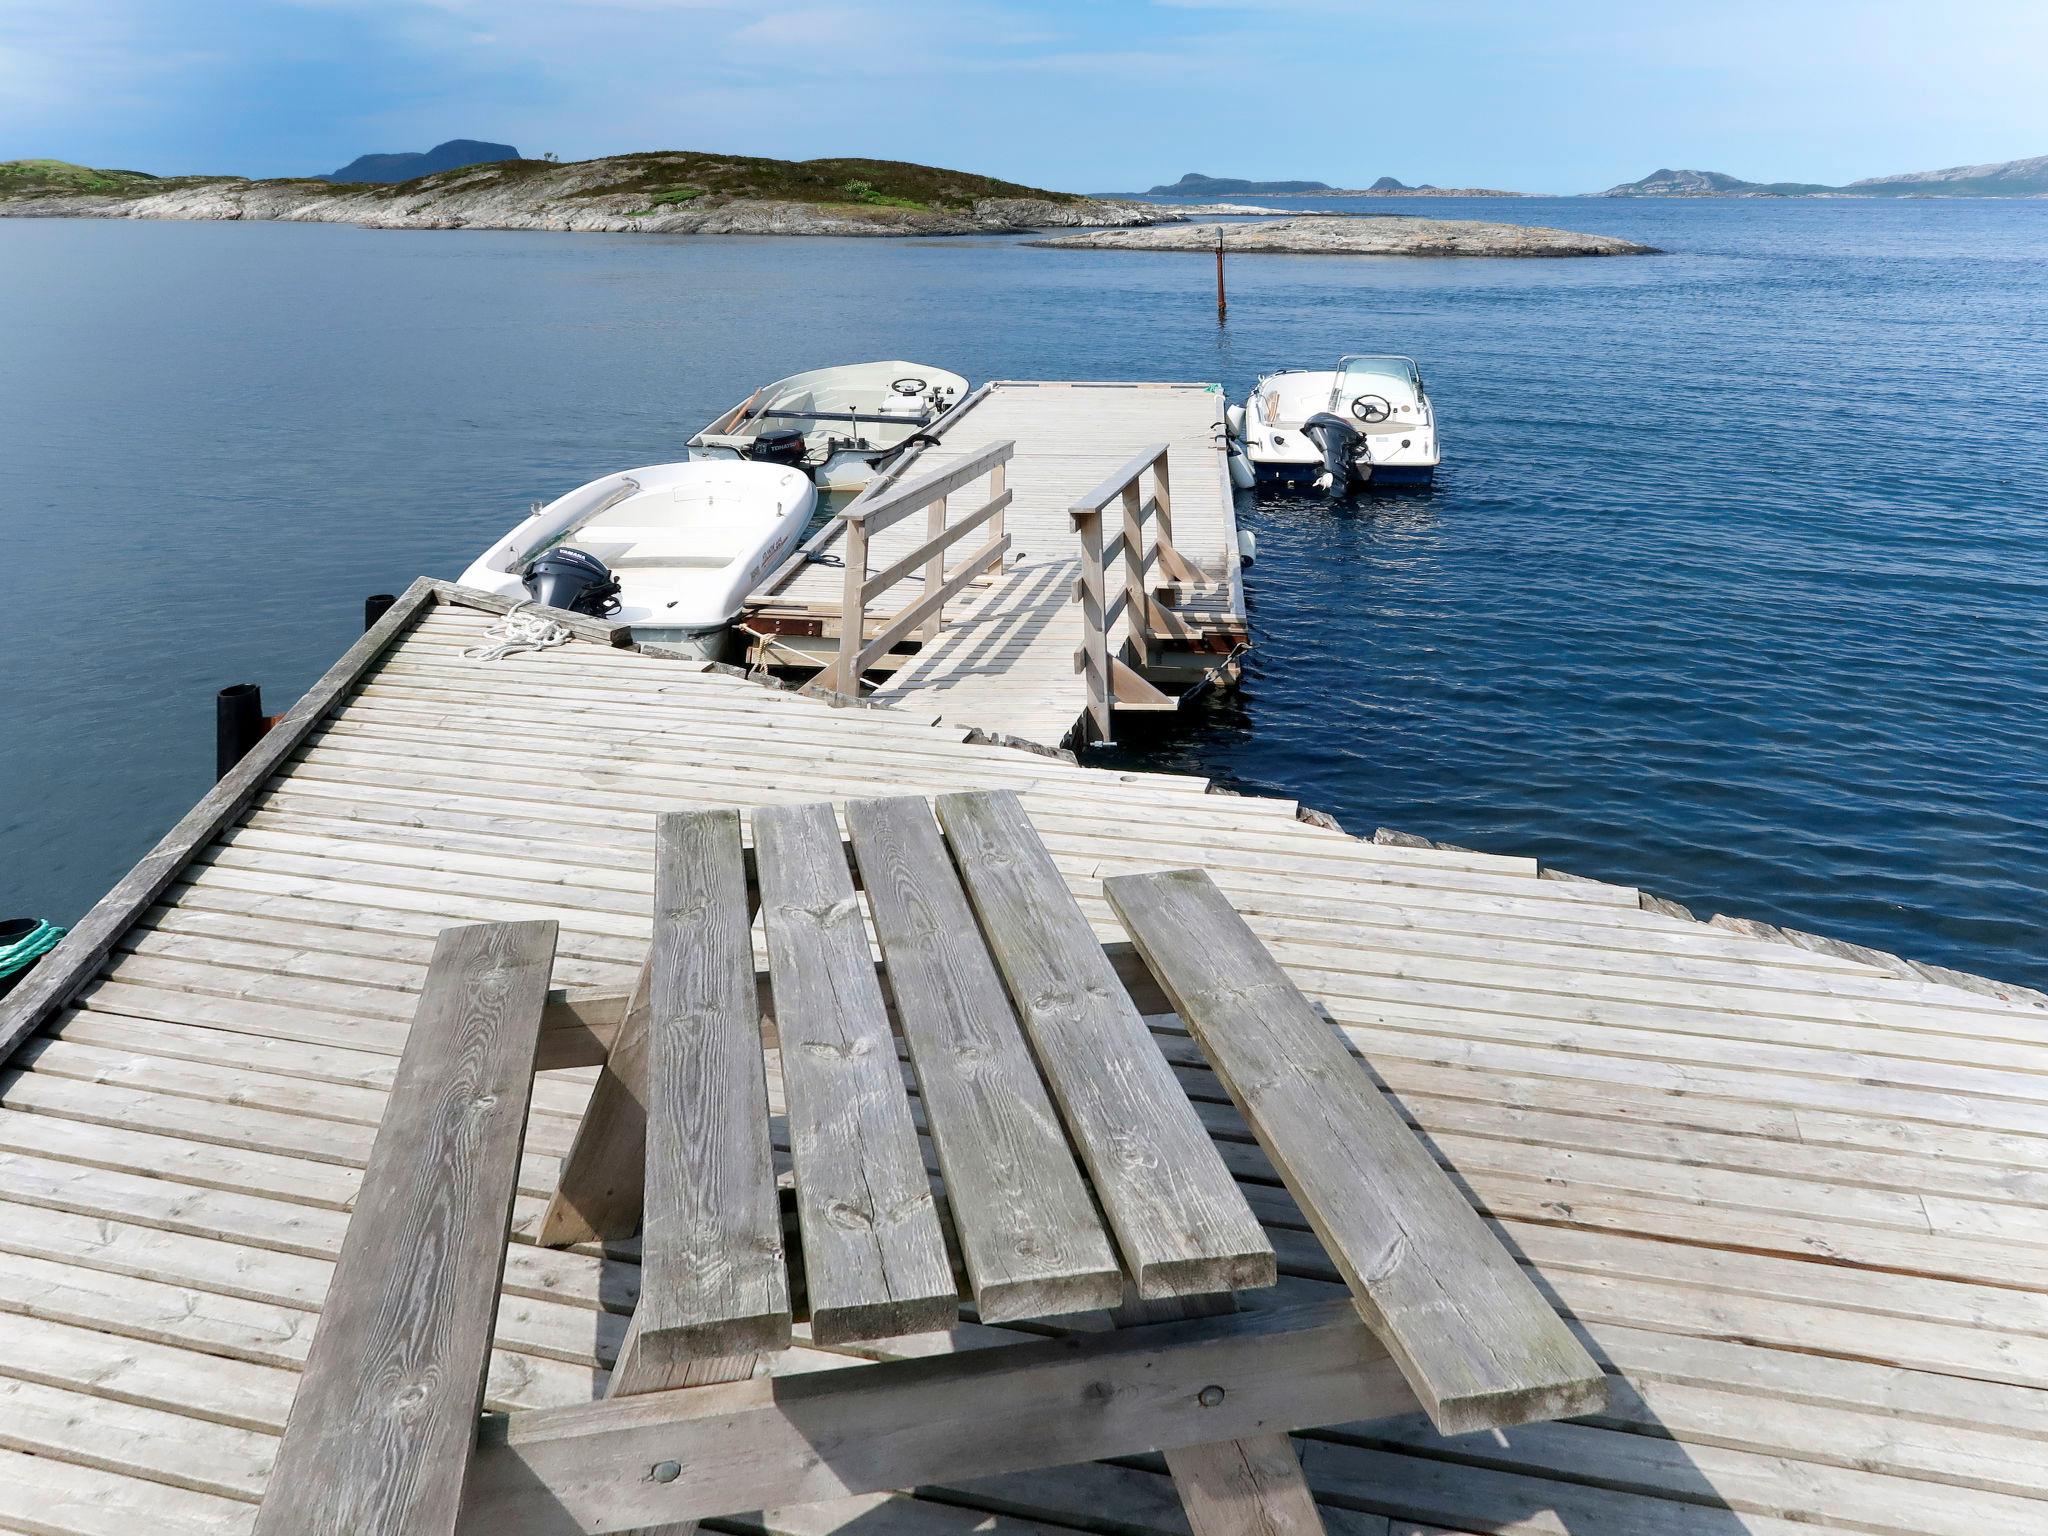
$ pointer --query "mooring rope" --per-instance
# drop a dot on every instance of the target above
(30, 947)
(520, 631)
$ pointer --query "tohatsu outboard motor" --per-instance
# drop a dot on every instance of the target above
(569, 578)
(1346, 459)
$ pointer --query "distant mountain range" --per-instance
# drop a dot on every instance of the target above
(450, 156)
(1669, 183)
(2009, 178)
(1195, 184)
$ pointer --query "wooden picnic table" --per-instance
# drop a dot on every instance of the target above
(1077, 1179)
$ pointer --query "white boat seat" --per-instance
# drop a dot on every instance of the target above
(639, 560)
(630, 548)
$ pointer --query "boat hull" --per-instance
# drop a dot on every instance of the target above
(844, 424)
(685, 543)
(1289, 476)
(1384, 424)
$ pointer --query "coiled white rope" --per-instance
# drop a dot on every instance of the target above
(520, 631)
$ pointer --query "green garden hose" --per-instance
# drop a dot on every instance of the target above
(23, 952)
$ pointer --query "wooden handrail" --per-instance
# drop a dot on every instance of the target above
(931, 493)
(1145, 618)
(773, 585)
(1113, 487)
(900, 501)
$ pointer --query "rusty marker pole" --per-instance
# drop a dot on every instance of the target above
(1222, 308)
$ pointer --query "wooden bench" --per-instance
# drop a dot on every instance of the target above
(1078, 1179)
(384, 1423)
(1477, 1342)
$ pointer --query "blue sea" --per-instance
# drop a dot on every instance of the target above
(1734, 584)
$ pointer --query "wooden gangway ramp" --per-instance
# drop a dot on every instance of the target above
(1001, 657)
(1794, 1202)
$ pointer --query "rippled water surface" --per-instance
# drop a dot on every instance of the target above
(1733, 586)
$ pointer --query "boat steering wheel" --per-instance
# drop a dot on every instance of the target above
(911, 385)
(1372, 408)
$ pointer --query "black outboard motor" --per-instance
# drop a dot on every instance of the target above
(569, 578)
(779, 445)
(1346, 460)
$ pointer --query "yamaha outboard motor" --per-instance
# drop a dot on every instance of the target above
(779, 445)
(1345, 457)
(569, 578)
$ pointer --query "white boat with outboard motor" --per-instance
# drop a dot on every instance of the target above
(838, 425)
(1368, 421)
(671, 549)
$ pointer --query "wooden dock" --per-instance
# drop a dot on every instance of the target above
(1794, 1201)
(1002, 656)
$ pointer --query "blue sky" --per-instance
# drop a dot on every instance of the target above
(1107, 96)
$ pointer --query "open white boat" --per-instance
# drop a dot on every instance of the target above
(1367, 421)
(838, 425)
(671, 549)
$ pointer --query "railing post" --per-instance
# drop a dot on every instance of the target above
(998, 482)
(1137, 595)
(853, 610)
(935, 568)
(1091, 589)
(1162, 527)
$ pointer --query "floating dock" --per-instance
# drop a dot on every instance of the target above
(1794, 1199)
(1094, 474)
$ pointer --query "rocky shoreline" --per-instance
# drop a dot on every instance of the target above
(1383, 235)
(568, 198)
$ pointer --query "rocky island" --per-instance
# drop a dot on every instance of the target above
(1383, 235)
(662, 192)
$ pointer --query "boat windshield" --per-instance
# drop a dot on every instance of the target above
(1371, 376)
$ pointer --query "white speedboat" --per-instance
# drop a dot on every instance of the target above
(838, 425)
(1367, 421)
(671, 549)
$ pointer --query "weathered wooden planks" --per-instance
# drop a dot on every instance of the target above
(874, 1257)
(713, 1279)
(381, 1431)
(1178, 1217)
(1862, 1395)
(1480, 1346)
(980, 1412)
(1029, 1233)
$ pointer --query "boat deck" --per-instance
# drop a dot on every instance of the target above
(1005, 661)
(1795, 1202)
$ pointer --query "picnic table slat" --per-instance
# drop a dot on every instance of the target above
(1477, 1342)
(381, 1431)
(1029, 1233)
(1182, 1224)
(713, 1278)
(875, 1261)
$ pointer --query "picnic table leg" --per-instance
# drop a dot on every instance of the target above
(603, 1182)
(1251, 1487)
(603, 1179)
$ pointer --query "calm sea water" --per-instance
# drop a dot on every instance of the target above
(1734, 586)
